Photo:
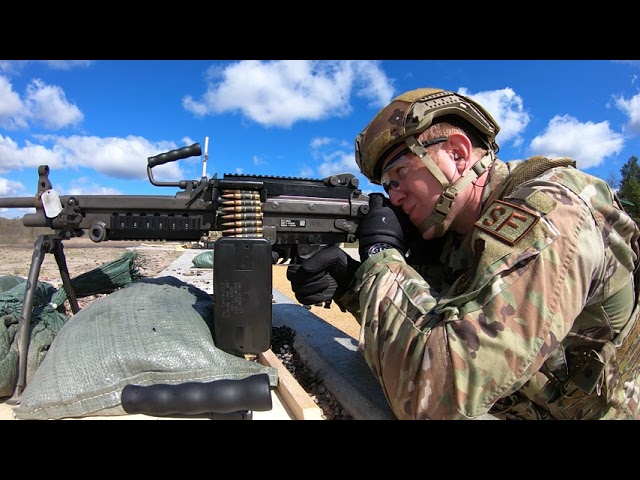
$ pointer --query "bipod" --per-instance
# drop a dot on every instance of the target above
(44, 244)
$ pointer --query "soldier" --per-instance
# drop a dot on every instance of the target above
(514, 288)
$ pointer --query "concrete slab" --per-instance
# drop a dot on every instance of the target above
(183, 269)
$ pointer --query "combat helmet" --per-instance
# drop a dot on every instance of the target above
(407, 116)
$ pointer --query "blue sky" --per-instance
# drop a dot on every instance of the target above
(95, 123)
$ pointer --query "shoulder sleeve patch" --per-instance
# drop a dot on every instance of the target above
(541, 201)
(507, 222)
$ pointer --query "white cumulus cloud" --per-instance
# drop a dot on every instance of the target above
(588, 143)
(280, 93)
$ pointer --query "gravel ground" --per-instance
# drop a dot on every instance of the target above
(281, 345)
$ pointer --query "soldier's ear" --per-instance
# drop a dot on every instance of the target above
(460, 149)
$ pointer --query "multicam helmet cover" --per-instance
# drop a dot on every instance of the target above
(408, 115)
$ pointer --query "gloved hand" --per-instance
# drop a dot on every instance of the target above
(322, 277)
(383, 224)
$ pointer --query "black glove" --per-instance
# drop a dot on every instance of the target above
(383, 224)
(323, 276)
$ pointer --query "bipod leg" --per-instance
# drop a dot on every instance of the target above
(58, 253)
(42, 245)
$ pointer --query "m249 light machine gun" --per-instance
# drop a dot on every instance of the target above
(262, 220)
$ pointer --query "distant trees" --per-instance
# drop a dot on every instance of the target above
(13, 231)
(629, 191)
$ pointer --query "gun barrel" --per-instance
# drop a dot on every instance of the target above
(19, 202)
(35, 220)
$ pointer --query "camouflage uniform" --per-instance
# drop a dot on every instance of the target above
(526, 317)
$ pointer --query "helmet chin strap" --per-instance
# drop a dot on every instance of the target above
(449, 190)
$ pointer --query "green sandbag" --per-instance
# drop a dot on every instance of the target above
(47, 318)
(155, 331)
(203, 260)
(7, 282)
(107, 278)
(46, 322)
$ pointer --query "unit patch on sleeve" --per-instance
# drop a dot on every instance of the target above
(506, 221)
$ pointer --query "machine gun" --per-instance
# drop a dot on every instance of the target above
(296, 216)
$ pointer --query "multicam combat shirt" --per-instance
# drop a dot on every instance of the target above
(527, 316)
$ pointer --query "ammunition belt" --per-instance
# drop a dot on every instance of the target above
(241, 212)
